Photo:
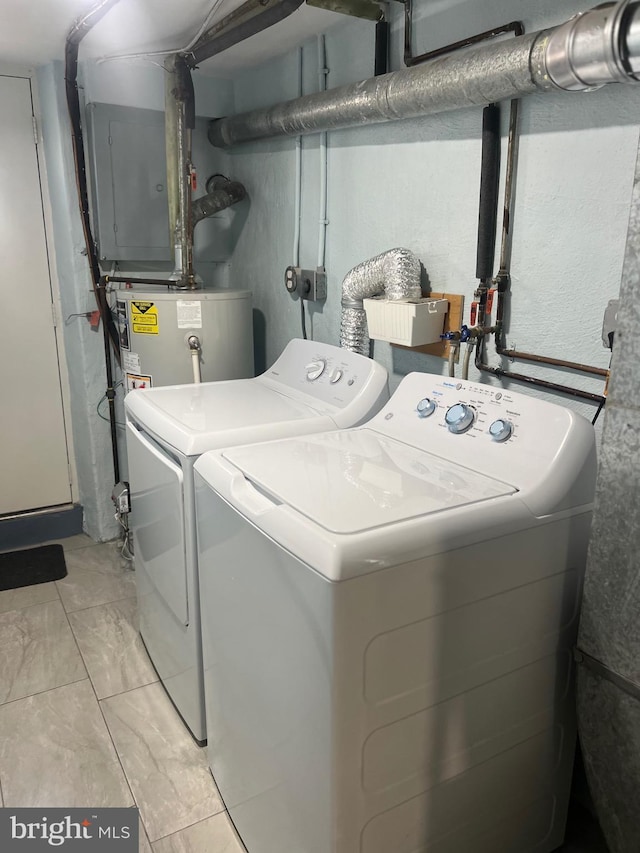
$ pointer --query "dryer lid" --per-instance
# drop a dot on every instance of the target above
(355, 480)
(195, 418)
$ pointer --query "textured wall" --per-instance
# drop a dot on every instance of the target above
(412, 184)
(83, 347)
(415, 184)
(609, 713)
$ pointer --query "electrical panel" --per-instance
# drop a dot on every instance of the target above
(128, 172)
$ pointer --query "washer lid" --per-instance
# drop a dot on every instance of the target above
(355, 480)
(195, 418)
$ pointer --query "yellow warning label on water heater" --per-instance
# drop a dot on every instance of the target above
(144, 318)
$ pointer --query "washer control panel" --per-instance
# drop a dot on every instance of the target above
(472, 410)
(518, 439)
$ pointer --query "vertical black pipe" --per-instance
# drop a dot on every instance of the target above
(382, 48)
(111, 392)
(110, 334)
(72, 45)
(489, 185)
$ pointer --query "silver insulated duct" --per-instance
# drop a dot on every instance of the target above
(594, 48)
(395, 273)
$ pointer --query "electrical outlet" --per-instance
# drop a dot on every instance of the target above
(120, 497)
(306, 284)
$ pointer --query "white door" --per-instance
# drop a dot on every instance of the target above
(34, 464)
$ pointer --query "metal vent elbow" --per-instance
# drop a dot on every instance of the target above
(224, 194)
(595, 47)
(395, 273)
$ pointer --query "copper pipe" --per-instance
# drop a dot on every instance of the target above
(532, 380)
(555, 362)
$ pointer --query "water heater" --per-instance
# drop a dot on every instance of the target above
(155, 326)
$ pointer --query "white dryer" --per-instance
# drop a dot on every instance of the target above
(388, 619)
(312, 386)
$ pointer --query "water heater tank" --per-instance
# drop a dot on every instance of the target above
(155, 326)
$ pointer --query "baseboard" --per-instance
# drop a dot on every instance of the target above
(32, 528)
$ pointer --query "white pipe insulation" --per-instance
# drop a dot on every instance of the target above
(395, 273)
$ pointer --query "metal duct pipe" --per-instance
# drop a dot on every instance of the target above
(600, 46)
(220, 198)
(395, 273)
(179, 122)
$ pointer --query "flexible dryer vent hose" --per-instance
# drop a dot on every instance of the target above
(395, 273)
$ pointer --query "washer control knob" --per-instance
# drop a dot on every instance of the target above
(315, 369)
(425, 407)
(335, 375)
(501, 430)
(459, 418)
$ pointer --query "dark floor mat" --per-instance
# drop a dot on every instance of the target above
(31, 566)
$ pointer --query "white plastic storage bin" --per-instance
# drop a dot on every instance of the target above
(408, 323)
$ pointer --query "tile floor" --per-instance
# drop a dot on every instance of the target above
(85, 722)
(83, 718)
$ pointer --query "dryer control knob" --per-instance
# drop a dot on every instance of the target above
(425, 408)
(315, 369)
(335, 375)
(459, 418)
(501, 430)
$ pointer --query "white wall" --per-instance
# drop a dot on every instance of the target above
(415, 184)
(412, 183)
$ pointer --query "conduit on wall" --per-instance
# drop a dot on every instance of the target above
(597, 47)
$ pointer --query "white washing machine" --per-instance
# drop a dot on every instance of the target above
(388, 619)
(312, 386)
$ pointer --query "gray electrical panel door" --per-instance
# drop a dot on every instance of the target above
(129, 183)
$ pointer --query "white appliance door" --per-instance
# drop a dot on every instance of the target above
(355, 480)
(34, 464)
(157, 519)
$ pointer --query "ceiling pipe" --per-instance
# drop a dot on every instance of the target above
(250, 18)
(245, 21)
(596, 47)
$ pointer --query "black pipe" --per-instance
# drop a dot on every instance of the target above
(111, 391)
(252, 17)
(184, 91)
(489, 186)
(381, 65)
(154, 282)
(110, 334)
(72, 45)
(514, 27)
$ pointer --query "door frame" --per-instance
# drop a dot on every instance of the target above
(29, 73)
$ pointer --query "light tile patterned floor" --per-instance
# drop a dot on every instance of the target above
(83, 719)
